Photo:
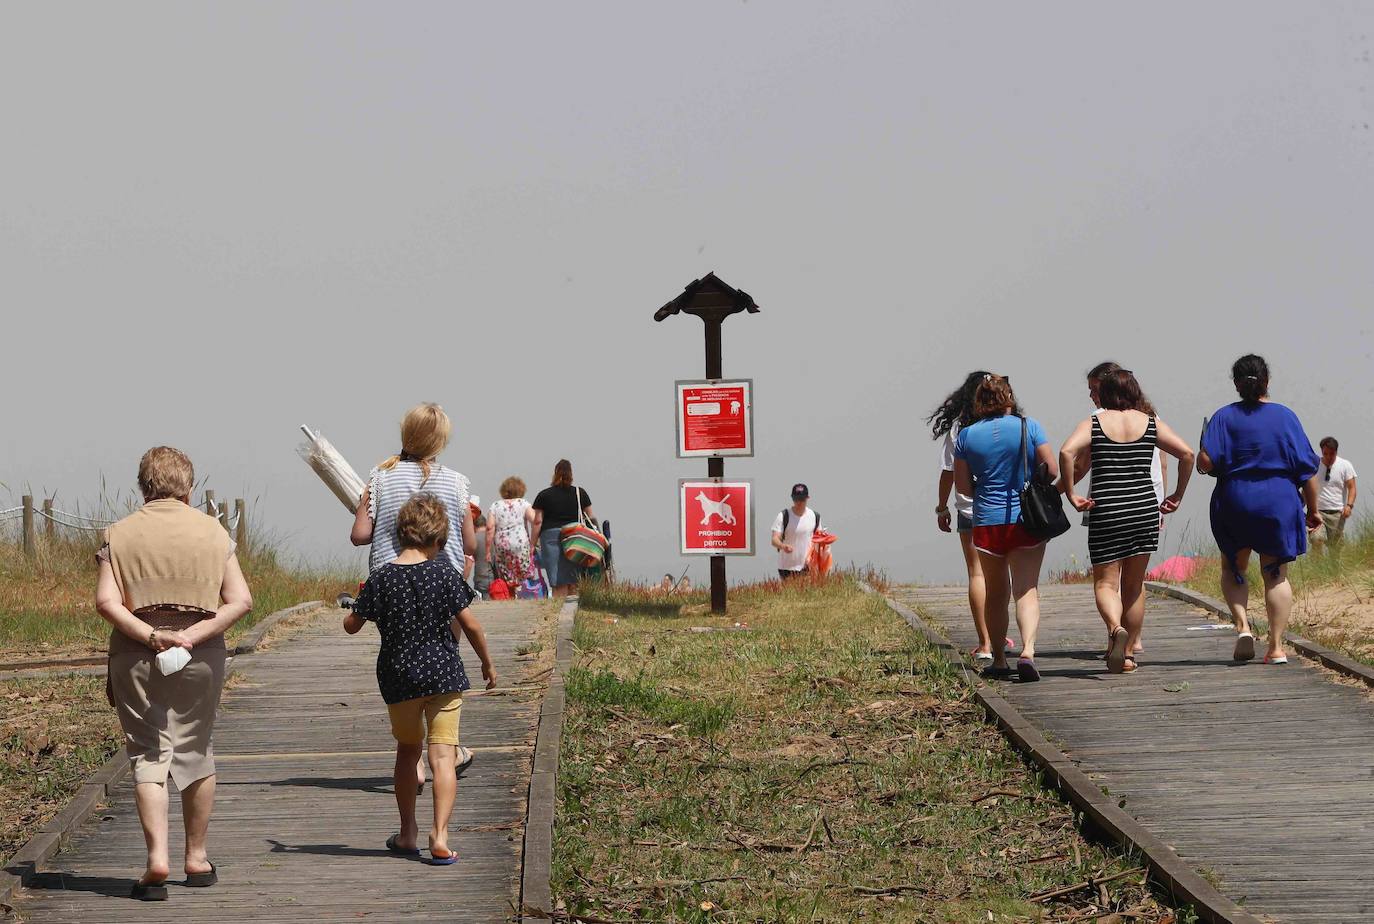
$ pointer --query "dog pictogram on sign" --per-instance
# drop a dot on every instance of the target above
(716, 517)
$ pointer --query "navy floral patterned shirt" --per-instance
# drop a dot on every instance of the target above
(413, 607)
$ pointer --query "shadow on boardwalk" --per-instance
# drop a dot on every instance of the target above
(1258, 774)
(304, 803)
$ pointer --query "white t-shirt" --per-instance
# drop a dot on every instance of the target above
(800, 529)
(1332, 493)
(963, 504)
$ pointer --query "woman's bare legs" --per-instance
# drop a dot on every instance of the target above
(997, 584)
(1133, 598)
(197, 802)
(1024, 565)
(151, 800)
(1107, 592)
(977, 592)
(1278, 603)
(1236, 594)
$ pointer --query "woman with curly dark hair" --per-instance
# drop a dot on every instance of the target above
(954, 413)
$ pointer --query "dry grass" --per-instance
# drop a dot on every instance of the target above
(46, 608)
(54, 732)
(816, 762)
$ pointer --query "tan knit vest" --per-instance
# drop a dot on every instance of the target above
(168, 553)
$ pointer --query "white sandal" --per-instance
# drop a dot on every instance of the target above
(1245, 647)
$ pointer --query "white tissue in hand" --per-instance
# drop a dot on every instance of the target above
(172, 660)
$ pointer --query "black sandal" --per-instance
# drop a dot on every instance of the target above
(203, 880)
(149, 892)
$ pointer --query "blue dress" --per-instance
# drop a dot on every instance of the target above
(1260, 457)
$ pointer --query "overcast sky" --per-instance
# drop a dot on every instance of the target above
(220, 222)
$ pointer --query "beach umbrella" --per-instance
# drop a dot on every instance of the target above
(338, 476)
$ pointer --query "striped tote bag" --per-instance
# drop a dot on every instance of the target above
(582, 545)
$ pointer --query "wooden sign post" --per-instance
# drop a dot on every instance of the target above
(712, 300)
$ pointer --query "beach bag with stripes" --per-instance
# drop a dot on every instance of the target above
(582, 545)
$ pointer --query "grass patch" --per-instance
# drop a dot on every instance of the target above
(54, 732)
(47, 607)
(807, 757)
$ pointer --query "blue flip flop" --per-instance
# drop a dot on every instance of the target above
(449, 860)
(401, 851)
(1026, 670)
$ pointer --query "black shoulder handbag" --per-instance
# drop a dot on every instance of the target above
(1042, 506)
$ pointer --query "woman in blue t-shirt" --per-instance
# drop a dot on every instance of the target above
(990, 467)
(1266, 472)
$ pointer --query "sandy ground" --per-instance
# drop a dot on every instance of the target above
(1339, 615)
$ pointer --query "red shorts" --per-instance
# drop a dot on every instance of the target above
(1001, 539)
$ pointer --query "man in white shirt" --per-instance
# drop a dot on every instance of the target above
(792, 532)
(1336, 497)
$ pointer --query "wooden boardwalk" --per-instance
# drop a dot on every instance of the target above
(305, 800)
(1261, 775)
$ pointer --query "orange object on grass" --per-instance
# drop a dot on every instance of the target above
(818, 558)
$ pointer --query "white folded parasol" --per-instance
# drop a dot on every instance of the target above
(332, 468)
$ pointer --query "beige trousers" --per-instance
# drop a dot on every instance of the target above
(167, 719)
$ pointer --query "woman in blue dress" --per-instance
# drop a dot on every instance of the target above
(1266, 473)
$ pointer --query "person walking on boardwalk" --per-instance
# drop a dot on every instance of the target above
(509, 523)
(1266, 474)
(555, 507)
(425, 432)
(417, 601)
(954, 413)
(168, 582)
(1159, 472)
(990, 467)
(1123, 439)
(1336, 499)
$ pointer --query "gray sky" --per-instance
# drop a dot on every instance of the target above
(219, 222)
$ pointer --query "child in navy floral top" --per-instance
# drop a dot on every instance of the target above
(417, 602)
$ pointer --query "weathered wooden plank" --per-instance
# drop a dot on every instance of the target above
(304, 802)
(1258, 773)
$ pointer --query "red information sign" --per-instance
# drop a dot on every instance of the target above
(716, 517)
(715, 418)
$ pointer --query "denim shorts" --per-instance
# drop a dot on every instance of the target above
(560, 570)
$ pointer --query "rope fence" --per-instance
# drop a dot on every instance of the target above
(234, 522)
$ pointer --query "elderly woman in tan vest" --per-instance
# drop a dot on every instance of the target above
(169, 579)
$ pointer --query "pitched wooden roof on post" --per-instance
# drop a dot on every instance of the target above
(709, 298)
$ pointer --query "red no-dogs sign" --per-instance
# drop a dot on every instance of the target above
(715, 418)
(716, 517)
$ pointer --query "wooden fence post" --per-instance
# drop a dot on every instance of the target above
(224, 516)
(241, 526)
(210, 502)
(49, 527)
(28, 524)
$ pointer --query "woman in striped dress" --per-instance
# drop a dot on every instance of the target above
(1124, 527)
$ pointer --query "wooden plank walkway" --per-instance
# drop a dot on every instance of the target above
(305, 800)
(1261, 775)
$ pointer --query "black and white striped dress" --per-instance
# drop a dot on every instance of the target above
(1125, 513)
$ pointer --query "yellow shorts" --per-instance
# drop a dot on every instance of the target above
(441, 711)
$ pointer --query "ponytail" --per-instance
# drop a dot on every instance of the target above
(1250, 374)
